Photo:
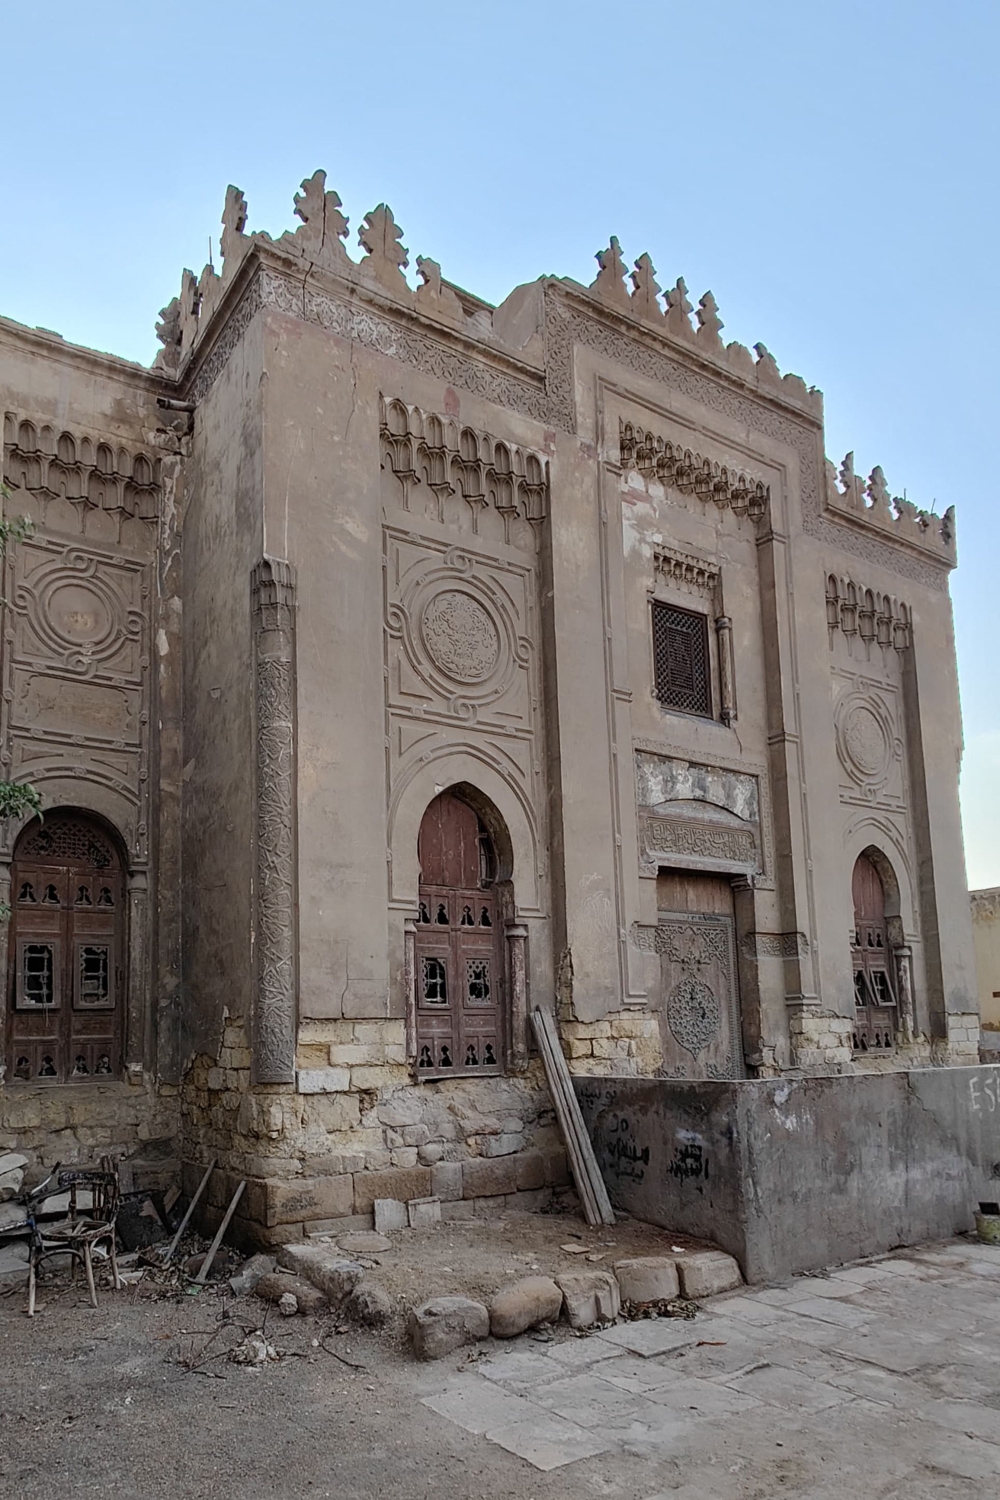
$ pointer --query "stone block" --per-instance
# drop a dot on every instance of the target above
(590, 1297)
(501, 1145)
(556, 1168)
(250, 1273)
(349, 1054)
(446, 1180)
(397, 1182)
(404, 1156)
(530, 1169)
(378, 1077)
(490, 1208)
(705, 1273)
(442, 1324)
(647, 1278)
(325, 1228)
(464, 1209)
(325, 1266)
(370, 1305)
(424, 1212)
(527, 1203)
(524, 1304)
(306, 1198)
(278, 1284)
(323, 1080)
(482, 1178)
(390, 1213)
(430, 1155)
(415, 1135)
(216, 1079)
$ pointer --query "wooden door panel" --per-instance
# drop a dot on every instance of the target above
(66, 963)
(699, 998)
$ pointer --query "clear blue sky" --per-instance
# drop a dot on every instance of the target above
(828, 168)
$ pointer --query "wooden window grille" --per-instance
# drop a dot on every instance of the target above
(680, 659)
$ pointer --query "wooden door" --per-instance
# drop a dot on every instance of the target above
(874, 997)
(459, 978)
(696, 940)
(65, 975)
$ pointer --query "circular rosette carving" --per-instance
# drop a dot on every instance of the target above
(460, 636)
(693, 1014)
(865, 741)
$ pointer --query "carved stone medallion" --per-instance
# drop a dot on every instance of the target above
(460, 637)
(864, 739)
(693, 1014)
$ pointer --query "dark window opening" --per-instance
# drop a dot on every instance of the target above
(680, 659)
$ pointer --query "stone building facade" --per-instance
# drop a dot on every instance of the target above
(390, 664)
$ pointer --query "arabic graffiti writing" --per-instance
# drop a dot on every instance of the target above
(690, 1162)
(618, 1151)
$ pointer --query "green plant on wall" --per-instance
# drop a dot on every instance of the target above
(16, 797)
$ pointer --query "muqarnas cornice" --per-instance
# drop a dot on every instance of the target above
(870, 506)
(452, 458)
(677, 467)
(58, 465)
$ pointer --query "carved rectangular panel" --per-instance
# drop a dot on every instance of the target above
(76, 672)
(707, 817)
(699, 996)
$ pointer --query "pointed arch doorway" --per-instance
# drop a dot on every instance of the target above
(461, 1013)
(875, 1018)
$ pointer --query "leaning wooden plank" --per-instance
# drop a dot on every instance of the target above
(168, 1257)
(551, 1055)
(206, 1264)
(586, 1172)
(577, 1144)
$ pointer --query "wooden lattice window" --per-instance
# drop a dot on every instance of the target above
(65, 1013)
(680, 659)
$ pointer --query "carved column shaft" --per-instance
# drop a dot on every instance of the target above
(410, 986)
(727, 676)
(275, 933)
(4, 952)
(517, 936)
(904, 972)
(138, 971)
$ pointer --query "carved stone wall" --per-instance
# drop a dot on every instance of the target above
(77, 681)
(461, 617)
(274, 1011)
(709, 817)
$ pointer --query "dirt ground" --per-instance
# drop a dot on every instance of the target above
(140, 1399)
(875, 1382)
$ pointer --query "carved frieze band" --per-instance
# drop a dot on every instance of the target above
(775, 945)
(675, 466)
(274, 1016)
(553, 401)
(56, 464)
(453, 458)
(877, 618)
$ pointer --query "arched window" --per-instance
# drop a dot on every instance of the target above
(460, 1010)
(65, 978)
(874, 994)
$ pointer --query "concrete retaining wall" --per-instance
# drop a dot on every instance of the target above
(795, 1174)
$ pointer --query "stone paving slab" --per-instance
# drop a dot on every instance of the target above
(881, 1380)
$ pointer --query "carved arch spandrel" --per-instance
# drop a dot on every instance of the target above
(467, 765)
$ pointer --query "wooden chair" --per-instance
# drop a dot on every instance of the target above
(78, 1235)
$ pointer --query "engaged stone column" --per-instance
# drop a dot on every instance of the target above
(410, 984)
(904, 972)
(727, 677)
(274, 1010)
(517, 936)
(138, 972)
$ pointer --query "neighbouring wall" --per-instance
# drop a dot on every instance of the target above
(795, 1174)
